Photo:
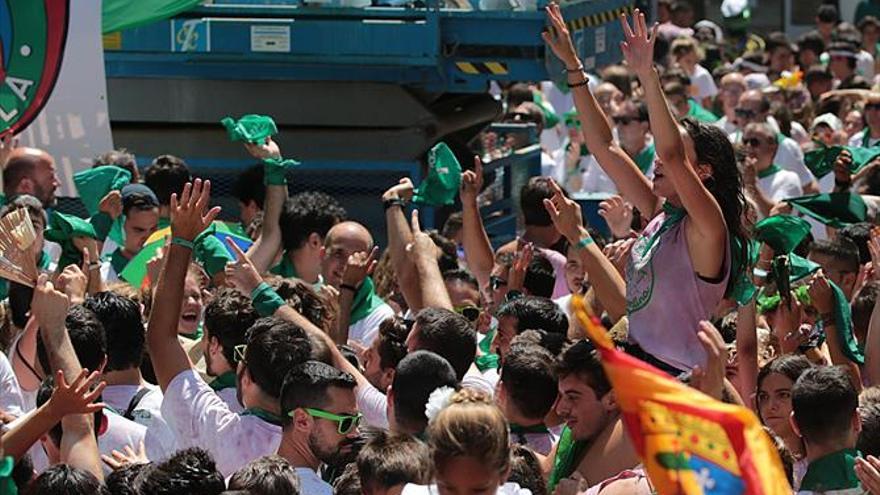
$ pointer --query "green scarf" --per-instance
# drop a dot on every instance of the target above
(365, 301)
(7, 484)
(674, 215)
(767, 172)
(44, 262)
(832, 472)
(118, 261)
(265, 415)
(569, 453)
(224, 381)
(286, 268)
(843, 320)
(487, 360)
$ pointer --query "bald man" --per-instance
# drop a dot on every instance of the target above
(31, 171)
(367, 311)
(733, 85)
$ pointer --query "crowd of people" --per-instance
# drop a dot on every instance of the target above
(163, 351)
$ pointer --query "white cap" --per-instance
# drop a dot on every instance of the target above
(757, 80)
(733, 8)
(716, 29)
(828, 119)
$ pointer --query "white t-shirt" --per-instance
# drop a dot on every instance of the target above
(373, 404)
(11, 401)
(781, 185)
(725, 125)
(230, 397)
(365, 331)
(310, 483)
(541, 443)
(159, 440)
(703, 81)
(857, 139)
(200, 418)
(595, 180)
(790, 157)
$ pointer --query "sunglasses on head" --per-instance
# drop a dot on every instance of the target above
(472, 313)
(345, 422)
(495, 282)
(625, 120)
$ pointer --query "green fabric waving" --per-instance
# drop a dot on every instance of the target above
(440, 187)
(834, 209)
(63, 229)
(250, 128)
(365, 301)
(843, 321)
(820, 161)
(568, 454)
(95, 183)
(782, 233)
(126, 14)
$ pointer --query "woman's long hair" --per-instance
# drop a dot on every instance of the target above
(714, 148)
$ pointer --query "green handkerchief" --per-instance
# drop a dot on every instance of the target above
(275, 170)
(250, 128)
(93, 184)
(820, 161)
(834, 209)
(440, 187)
(783, 233)
(64, 227)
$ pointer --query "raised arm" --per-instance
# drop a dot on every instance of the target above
(187, 221)
(630, 181)
(822, 298)
(609, 285)
(707, 221)
(423, 254)
(359, 266)
(747, 350)
(265, 249)
(400, 236)
(477, 248)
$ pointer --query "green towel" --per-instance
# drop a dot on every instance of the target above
(821, 160)
(843, 321)
(211, 251)
(7, 484)
(782, 233)
(440, 187)
(275, 170)
(95, 183)
(63, 229)
(696, 111)
(550, 117)
(834, 209)
(250, 128)
(365, 301)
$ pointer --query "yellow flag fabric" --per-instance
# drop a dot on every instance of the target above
(689, 442)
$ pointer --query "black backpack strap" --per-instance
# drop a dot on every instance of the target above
(129, 413)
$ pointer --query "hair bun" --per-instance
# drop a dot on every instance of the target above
(470, 396)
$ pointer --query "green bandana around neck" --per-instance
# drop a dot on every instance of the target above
(674, 215)
(835, 471)
(767, 172)
(265, 415)
(645, 158)
(285, 268)
(224, 381)
(365, 301)
(250, 128)
(569, 453)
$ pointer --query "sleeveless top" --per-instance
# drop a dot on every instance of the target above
(665, 297)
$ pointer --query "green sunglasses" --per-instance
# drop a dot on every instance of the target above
(345, 423)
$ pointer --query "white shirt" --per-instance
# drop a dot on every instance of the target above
(373, 404)
(159, 440)
(595, 180)
(781, 185)
(505, 489)
(790, 157)
(230, 397)
(310, 483)
(857, 138)
(703, 81)
(11, 401)
(865, 65)
(365, 331)
(200, 418)
(725, 125)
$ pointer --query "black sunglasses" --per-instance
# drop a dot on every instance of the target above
(472, 313)
(744, 113)
(625, 120)
(754, 142)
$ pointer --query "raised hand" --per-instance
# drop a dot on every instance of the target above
(638, 44)
(618, 214)
(111, 204)
(710, 379)
(565, 213)
(841, 168)
(121, 459)
(73, 281)
(422, 245)
(472, 182)
(269, 149)
(49, 306)
(359, 266)
(787, 326)
(868, 472)
(750, 172)
(241, 273)
(821, 296)
(520, 266)
(188, 217)
(79, 396)
(618, 254)
(402, 190)
(558, 38)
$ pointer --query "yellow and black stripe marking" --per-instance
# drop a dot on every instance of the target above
(599, 18)
(474, 68)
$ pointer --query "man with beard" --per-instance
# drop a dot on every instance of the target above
(319, 400)
(31, 171)
(227, 319)
(594, 442)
